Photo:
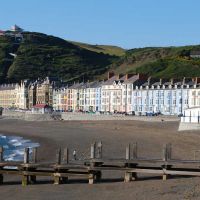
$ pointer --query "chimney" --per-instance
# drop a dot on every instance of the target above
(171, 81)
(198, 79)
(127, 76)
(142, 77)
(110, 75)
(119, 76)
(149, 80)
(183, 81)
(160, 81)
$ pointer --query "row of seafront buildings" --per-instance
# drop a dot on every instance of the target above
(131, 93)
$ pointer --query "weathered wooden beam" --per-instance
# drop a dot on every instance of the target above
(128, 152)
(26, 155)
(99, 149)
(169, 151)
(165, 152)
(57, 180)
(128, 177)
(91, 178)
(66, 155)
(34, 155)
(135, 156)
(58, 156)
(25, 179)
(92, 150)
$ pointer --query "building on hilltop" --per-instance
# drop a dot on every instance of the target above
(16, 28)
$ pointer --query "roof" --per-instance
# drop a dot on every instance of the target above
(41, 106)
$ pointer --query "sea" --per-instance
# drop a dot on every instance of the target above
(14, 147)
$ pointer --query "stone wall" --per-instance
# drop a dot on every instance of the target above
(92, 117)
(28, 116)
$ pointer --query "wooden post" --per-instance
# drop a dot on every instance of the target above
(34, 155)
(169, 151)
(25, 178)
(99, 149)
(66, 160)
(165, 152)
(66, 155)
(26, 155)
(57, 180)
(135, 151)
(91, 178)
(92, 151)
(34, 160)
(128, 152)
(1, 160)
(128, 177)
(58, 156)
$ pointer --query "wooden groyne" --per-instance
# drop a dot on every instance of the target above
(92, 168)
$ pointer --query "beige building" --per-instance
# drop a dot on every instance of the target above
(14, 95)
(41, 92)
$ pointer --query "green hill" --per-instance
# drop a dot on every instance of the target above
(106, 49)
(40, 55)
(163, 62)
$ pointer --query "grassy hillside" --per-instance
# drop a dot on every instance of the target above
(159, 62)
(41, 55)
(7, 46)
(106, 49)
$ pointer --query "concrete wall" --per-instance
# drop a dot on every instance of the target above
(25, 115)
(93, 117)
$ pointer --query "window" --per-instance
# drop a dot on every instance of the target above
(194, 93)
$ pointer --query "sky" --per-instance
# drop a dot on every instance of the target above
(125, 23)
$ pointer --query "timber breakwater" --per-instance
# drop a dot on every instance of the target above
(93, 163)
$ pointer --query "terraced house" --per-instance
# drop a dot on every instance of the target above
(116, 92)
(14, 95)
(168, 97)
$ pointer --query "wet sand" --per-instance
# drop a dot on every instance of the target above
(115, 135)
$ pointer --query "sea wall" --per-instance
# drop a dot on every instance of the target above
(28, 116)
(95, 117)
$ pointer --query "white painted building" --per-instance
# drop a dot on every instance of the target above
(168, 97)
(116, 93)
(89, 96)
(191, 115)
(60, 99)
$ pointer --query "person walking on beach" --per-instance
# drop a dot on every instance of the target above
(74, 154)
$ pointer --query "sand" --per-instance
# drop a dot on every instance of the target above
(115, 135)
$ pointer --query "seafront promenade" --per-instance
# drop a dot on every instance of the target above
(79, 116)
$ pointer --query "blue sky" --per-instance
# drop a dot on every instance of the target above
(126, 23)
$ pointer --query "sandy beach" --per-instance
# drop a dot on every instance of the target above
(115, 135)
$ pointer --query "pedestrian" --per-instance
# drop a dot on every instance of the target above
(74, 154)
